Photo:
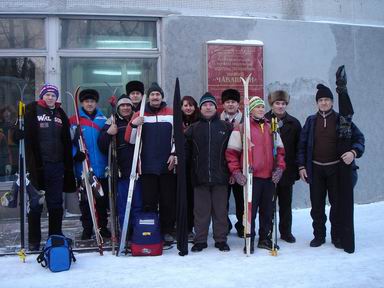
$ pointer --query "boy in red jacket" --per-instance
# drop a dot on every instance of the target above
(266, 171)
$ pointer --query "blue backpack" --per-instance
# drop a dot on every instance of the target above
(57, 254)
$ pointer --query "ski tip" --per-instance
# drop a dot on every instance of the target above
(246, 80)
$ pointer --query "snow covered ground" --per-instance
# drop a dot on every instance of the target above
(297, 265)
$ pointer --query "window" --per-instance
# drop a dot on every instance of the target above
(108, 34)
(18, 33)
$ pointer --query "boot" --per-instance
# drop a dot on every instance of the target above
(222, 246)
(317, 241)
(34, 230)
(55, 221)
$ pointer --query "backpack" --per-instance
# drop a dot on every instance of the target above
(146, 236)
(57, 254)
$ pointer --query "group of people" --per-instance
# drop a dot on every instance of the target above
(213, 151)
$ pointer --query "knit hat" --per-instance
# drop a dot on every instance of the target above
(279, 95)
(134, 86)
(155, 87)
(230, 94)
(207, 97)
(323, 92)
(89, 94)
(255, 101)
(124, 99)
(49, 88)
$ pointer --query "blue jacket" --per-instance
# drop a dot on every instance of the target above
(90, 130)
(305, 153)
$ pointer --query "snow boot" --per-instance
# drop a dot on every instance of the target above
(288, 238)
(198, 247)
(316, 242)
(222, 246)
(266, 244)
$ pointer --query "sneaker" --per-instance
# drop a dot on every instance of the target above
(86, 235)
(252, 248)
(168, 238)
(198, 247)
(337, 243)
(105, 233)
(222, 246)
(267, 244)
(288, 238)
(316, 242)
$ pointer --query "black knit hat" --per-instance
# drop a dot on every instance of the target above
(323, 92)
(155, 87)
(134, 86)
(89, 94)
(207, 97)
(230, 94)
(279, 95)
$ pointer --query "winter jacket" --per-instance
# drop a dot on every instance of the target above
(124, 149)
(290, 135)
(305, 153)
(206, 142)
(156, 137)
(90, 131)
(35, 165)
(263, 162)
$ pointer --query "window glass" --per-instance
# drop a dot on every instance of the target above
(108, 34)
(96, 72)
(15, 74)
(22, 33)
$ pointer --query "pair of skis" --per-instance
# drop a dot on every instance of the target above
(89, 181)
(132, 180)
(247, 168)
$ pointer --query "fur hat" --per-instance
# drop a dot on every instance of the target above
(323, 92)
(255, 101)
(89, 94)
(134, 86)
(279, 95)
(230, 94)
(49, 88)
(155, 87)
(207, 97)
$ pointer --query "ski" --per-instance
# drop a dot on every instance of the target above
(112, 173)
(22, 176)
(88, 179)
(274, 128)
(345, 197)
(132, 180)
(247, 168)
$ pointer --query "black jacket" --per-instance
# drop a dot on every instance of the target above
(290, 135)
(33, 158)
(124, 149)
(206, 142)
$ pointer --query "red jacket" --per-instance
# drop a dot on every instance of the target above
(262, 150)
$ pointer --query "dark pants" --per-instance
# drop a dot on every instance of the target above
(237, 191)
(53, 180)
(121, 201)
(189, 200)
(101, 209)
(262, 194)
(211, 201)
(160, 191)
(284, 196)
(324, 179)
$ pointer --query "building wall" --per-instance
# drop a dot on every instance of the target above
(297, 56)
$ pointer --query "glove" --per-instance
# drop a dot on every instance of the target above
(239, 178)
(79, 156)
(341, 80)
(276, 175)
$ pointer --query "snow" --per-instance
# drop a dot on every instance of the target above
(297, 265)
